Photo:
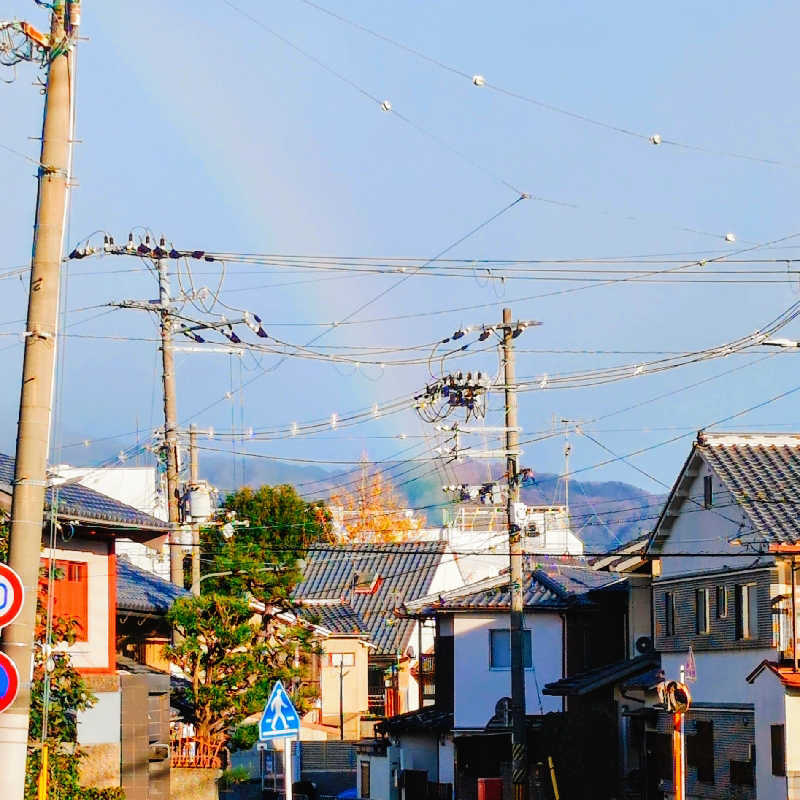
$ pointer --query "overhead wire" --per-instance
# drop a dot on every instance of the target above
(480, 81)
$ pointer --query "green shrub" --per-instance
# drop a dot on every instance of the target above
(233, 776)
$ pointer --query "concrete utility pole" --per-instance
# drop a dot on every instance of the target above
(519, 756)
(170, 424)
(194, 477)
(36, 397)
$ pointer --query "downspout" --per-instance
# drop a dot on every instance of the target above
(794, 615)
(563, 656)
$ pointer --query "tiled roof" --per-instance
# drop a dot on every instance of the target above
(426, 720)
(87, 505)
(600, 677)
(556, 587)
(142, 591)
(337, 617)
(762, 472)
(406, 572)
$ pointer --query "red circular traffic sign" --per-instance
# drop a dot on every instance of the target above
(9, 682)
(11, 595)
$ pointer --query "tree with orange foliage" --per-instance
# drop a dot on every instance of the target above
(372, 511)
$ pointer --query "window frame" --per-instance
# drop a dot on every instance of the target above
(527, 652)
(670, 616)
(746, 611)
(71, 586)
(722, 608)
(332, 662)
(702, 601)
(703, 761)
(777, 740)
(708, 492)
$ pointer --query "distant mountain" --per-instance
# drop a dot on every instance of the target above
(604, 513)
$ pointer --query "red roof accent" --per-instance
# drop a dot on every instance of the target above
(787, 675)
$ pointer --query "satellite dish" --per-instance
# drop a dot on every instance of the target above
(644, 644)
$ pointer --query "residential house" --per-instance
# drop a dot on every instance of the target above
(141, 487)
(624, 690)
(143, 600)
(340, 671)
(574, 621)
(355, 590)
(86, 526)
(724, 547)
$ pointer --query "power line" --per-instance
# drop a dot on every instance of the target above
(480, 81)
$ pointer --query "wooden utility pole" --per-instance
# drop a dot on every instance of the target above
(170, 424)
(519, 757)
(194, 477)
(36, 396)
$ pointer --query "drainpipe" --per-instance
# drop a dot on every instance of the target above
(563, 656)
(794, 615)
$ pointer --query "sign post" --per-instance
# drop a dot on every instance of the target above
(12, 594)
(280, 720)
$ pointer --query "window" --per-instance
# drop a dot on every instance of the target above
(708, 492)
(500, 647)
(701, 599)
(777, 735)
(742, 773)
(659, 754)
(71, 594)
(747, 611)
(341, 659)
(669, 613)
(722, 602)
(700, 750)
(365, 788)
(367, 582)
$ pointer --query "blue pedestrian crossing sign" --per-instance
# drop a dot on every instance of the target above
(279, 718)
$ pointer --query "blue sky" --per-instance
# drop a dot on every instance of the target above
(195, 122)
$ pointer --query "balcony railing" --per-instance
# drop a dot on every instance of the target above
(377, 704)
(196, 752)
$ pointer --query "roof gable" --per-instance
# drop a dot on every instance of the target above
(761, 473)
(406, 571)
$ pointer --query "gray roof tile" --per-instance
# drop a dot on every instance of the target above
(405, 570)
(142, 591)
(87, 505)
(764, 478)
(557, 587)
(336, 617)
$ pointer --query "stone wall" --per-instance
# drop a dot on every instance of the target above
(193, 784)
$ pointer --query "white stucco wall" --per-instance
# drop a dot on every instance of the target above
(100, 723)
(792, 711)
(699, 530)
(421, 753)
(768, 696)
(447, 760)
(93, 653)
(478, 687)
(721, 674)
